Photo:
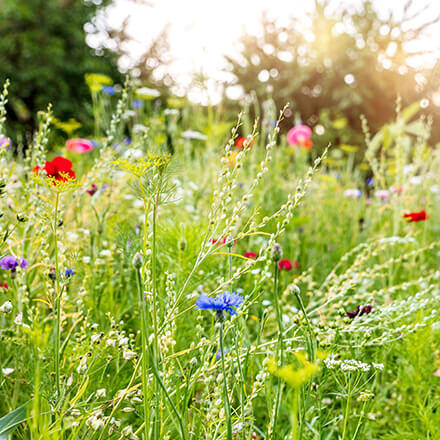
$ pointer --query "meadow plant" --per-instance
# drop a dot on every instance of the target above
(322, 276)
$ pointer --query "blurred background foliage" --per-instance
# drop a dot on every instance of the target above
(331, 68)
(324, 67)
(43, 52)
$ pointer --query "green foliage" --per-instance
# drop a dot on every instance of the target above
(117, 350)
(43, 52)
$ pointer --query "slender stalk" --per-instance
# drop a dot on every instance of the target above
(242, 391)
(225, 384)
(144, 370)
(347, 409)
(359, 421)
(312, 341)
(279, 354)
(143, 306)
(154, 311)
(173, 406)
(295, 415)
(154, 269)
(237, 351)
(57, 299)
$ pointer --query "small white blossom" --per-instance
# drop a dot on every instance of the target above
(6, 307)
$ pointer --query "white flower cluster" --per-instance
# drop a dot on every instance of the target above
(351, 365)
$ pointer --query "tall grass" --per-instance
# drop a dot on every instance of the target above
(342, 346)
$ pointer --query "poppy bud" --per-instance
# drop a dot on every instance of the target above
(52, 273)
(182, 245)
(137, 260)
(277, 252)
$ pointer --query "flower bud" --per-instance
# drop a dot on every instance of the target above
(277, 252)
(137, 260)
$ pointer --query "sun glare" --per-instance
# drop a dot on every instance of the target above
(201, 32)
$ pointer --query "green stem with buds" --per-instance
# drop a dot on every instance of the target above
(225, 385)
(57, 300)
(279, 354)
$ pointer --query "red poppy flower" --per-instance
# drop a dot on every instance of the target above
(250, 255)
(285, 265)
(220, 241)
(4, 286)
(59, 168)
(239, 143)
(416, 216)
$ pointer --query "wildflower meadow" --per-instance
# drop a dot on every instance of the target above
(178, 274)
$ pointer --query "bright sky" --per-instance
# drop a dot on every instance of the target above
(201, 31)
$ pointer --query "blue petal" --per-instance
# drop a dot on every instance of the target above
(204, 302)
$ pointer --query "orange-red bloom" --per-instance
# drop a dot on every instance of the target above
(239, 143)
(59, 168)
(219, 241)
(416, 216)
(307, 143)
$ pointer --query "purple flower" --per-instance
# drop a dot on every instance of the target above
(359, 311)
(225, 301)
(5, 142)
(11, 263)
(92, 190)
(23, 263)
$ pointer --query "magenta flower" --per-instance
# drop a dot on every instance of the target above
(79, 145)
(5, 142)
(92, 190)
(299, 135)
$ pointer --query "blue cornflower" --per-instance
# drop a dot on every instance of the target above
(137, 103)
(218, 355)
(69, 273)
(224, 302)
(108, 89)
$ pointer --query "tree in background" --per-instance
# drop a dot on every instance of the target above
(349, 62)
(43, 52)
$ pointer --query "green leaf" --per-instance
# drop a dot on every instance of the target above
(410, 111)
(10, 421)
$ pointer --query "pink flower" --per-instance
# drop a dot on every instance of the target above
(299, 135)
(397, 189)
(437, 373)
(382, 194)
(79, 145)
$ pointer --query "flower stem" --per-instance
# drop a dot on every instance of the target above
(312, 339)
(56, 301)
(225, 384)
(347, 409)
(279, 354)
(295, 415)
(154, 314)
(144, 371)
